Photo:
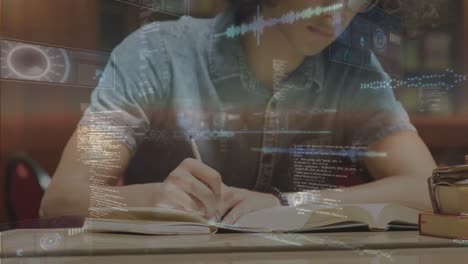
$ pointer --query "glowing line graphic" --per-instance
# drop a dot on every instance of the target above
(323, 152)
(160, 10)
(448, 80)
(259, 24)
(214, 134)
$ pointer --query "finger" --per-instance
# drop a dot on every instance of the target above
(205, 174)
(199, 191)
(230, 200)
(191, 204)
(195, 206)
(237, 212)
(183, 201)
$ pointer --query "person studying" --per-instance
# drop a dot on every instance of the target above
(275, 116)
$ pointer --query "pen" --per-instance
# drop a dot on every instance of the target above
(197, 155)
(195, 151)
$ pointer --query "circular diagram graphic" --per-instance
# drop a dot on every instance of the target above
(51, 241)
(34, 63)
(380, 40)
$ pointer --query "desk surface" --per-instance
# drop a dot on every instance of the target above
(397, 256)
(62, 242)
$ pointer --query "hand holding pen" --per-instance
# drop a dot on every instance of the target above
(193, 187)
(197, 155)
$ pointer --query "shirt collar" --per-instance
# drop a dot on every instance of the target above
(223, 51)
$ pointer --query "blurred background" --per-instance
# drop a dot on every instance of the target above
(54, 51)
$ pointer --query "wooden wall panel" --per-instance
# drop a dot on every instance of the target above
(2, 182)
(39, 118)
(55, 22)
(464, 52)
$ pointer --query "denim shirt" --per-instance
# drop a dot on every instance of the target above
(171, 80)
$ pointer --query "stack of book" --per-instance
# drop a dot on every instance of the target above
(449, 196)
(447, 226)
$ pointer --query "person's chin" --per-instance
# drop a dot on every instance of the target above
(310, 46)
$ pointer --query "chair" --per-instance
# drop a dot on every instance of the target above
(25, 184)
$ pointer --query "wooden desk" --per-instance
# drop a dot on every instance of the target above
(398, 256)
(58, 245)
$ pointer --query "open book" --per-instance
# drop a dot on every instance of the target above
(277, 219)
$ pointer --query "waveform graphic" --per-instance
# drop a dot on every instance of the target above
(259, 24)
(448, 80)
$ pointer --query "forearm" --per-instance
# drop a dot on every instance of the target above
(85, 179)
(403, 190)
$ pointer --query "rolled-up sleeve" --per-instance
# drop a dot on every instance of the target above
(127, 94)
(375, 113)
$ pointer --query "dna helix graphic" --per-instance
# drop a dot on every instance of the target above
(448, 80)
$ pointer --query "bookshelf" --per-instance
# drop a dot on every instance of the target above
(463, 98)
(446, 129)
(443, 132)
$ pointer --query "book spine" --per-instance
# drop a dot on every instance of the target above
(428, 227)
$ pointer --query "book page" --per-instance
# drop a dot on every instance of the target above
(398, 214)
(152, 214)
(297, 218)
(146, 227)
(378, 216)
(374, 210)
(276, 218)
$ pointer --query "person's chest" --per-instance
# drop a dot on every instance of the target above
(229, 121)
